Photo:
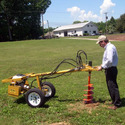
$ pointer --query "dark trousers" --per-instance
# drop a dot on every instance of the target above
(111, 79)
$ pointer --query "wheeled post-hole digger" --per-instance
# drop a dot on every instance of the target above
(35, 96)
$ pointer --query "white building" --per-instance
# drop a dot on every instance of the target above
(76, 29)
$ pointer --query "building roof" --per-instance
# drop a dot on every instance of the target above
(73, 26)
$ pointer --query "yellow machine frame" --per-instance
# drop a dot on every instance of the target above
(15, 90)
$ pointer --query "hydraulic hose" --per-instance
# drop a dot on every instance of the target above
(78, 63)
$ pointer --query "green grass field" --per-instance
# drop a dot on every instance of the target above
(67, 106)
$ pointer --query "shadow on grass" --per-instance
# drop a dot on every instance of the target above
(21, 100)
(123, 102)
(69, 100)
(104, 101)
(100, 101)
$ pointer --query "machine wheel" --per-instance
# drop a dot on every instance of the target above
(48, 89)
(35, 98)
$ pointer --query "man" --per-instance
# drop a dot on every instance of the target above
(109, 64)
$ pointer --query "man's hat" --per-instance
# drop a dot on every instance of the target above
(101, 38)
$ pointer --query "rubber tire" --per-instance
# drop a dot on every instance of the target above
(38, 94)
(51, 88)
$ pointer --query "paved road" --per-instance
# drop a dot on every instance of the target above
(83, 38)
(87, 39)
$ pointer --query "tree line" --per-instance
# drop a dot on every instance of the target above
(113, 25)
(21, 19)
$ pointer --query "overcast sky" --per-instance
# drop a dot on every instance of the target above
(65, 12)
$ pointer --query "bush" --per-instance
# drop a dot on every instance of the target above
(85, 34)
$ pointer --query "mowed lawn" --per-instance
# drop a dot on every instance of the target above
(67, 107)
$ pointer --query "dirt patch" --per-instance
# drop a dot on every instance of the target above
(78, 107)
(118, 37)
(60, 123)
(82, 106)
(113, 37)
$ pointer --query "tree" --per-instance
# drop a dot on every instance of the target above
(75, 22)
(111, 25)
(85, 21)
(121, 24)
(21, 18)
(101, 27)
(50, 29)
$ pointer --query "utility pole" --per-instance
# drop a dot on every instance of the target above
(106, 17)
(42, 23)
(48, 29)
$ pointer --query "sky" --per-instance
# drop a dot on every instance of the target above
(65, 12)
